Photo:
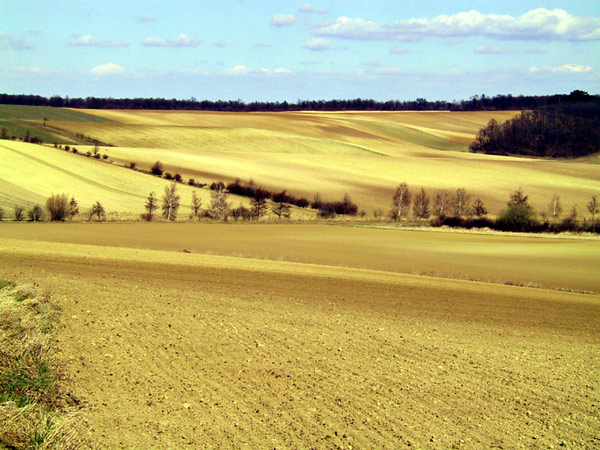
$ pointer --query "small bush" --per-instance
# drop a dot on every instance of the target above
(132, 165)
(192, 182)
(178, 178)
(35, 214)
(157, 169)
(58, 206)
(75, 150)
(517, 217)
(1, 214)
(168, 176)
(105, 156)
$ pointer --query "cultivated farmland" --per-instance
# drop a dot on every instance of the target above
(306, 335)
(365, 154)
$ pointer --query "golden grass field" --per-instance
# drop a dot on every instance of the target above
(366, 154)
(319, 336)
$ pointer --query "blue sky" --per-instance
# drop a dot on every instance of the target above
(289, 50)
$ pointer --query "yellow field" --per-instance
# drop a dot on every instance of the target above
(313, 336)
(363, 153)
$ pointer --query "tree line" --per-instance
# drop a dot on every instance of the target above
(458, 211)
(567, 130)
(448, 209)
(475, 103)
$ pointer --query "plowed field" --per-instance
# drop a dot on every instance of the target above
(337, 349)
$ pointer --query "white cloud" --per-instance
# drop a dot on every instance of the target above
(318, 44)
(537, 24)
(107, 69)
(565, 68)
(239, 70)
(183, 40)
(283, 20)
(90, 41)
(13, 42)
(310, 9)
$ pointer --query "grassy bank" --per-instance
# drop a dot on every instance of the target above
(34, 413)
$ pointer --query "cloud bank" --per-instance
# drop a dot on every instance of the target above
(537, 24)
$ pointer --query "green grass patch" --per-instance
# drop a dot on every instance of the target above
(19, 129)
(22, 112)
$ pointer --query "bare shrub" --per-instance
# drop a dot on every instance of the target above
(57, 205)
(35, 214)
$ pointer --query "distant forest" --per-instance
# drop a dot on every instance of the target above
(476, 103)
(568, 129)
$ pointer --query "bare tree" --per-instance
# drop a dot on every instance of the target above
(421, 205)
(555, 207)
(592, 207)
(98, 211)
(518, 198)
(440, 203)
(460, 202)
(170, 202)
(73, 208)
(18, 213)
(400, 202)
(219, 207)
(258, 203)
(196, 205)
(151, 206)
(479, 208)
(281, 210)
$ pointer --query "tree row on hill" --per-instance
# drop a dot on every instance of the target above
(567, 130)
(456, 210)
(475, 103)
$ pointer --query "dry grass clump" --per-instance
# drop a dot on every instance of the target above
(33, 413)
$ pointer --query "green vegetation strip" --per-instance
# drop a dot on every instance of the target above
(22, 112)
(34, 414)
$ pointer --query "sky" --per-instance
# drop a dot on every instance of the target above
(264, 50)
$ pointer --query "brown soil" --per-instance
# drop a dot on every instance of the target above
(174, 350)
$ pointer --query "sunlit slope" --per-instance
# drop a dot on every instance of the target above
(295, 132)
(31, 173)
(363, 153)
(371, 178)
